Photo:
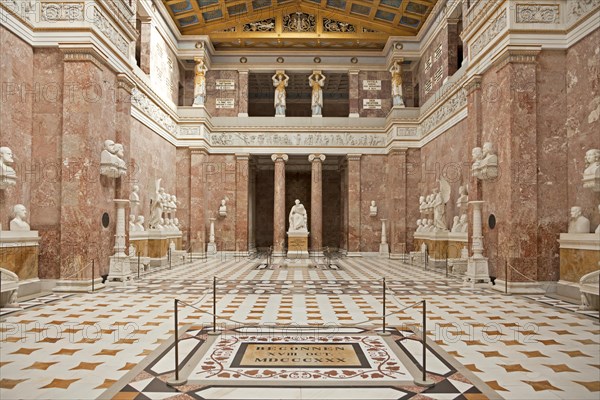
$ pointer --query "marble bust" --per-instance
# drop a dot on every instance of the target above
(18, 222)
(463, 197)
(455, 225)
(578, 223)
(485, 162)
(132, 227)
(373, 209)
(223, 208)
(463, 224)
(598, 228)
(476, 157)
(139, 224)
(120, 155)
(134, 197)
(108, 160)
(298, 218)
(419, 225)
(8, 176)
(591, 174)
(176, 224)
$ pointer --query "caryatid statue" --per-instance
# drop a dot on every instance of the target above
(316, 82)
(280, 81)
(199, 82)
(396, 71)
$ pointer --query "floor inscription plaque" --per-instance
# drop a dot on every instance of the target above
(300, 355)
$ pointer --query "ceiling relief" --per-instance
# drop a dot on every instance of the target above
(344, 24)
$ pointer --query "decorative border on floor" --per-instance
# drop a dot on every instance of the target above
(151, 384)
(38, 301)
(564, 305)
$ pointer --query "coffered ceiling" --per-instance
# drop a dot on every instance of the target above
(343, 24)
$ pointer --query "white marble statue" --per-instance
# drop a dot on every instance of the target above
(396, 71)
(134, 198)
(419, 227)
(422, 204)
(489, 156)
(455, 226)
(316, 82)
(132, 227)
(200, 82)
(280, 81)
(578, 223)
(591, 174)
(442, 195)
(598, 228)
(463, 223)
(132, 250)
(223, 208)
(18, 222)
(8, 176)
(373, 209)
(108, 160)
(476, 156)
(167, 224)
(139, 224)
(463, 198)
(120, 155)
(298, 218)
(156, 206)
(176, 224)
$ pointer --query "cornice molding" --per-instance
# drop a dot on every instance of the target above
(83, 54)
(515, 56)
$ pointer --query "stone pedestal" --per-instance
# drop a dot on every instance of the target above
(297, 245)
(119, 262)
(211, 248)
(19, 255)
(384, 248)
(477, 267)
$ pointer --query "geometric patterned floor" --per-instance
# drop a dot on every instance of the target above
(79, 346)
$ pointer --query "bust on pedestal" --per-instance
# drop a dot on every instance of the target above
(591, 174)
(298, 232)
(211, 247)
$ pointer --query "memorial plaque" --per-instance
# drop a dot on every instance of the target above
(225, 84)
(372, 104)
(371, 84)
(225, 103)
(300, 355)
(296, 243)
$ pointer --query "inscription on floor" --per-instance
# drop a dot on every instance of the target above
(300, 355)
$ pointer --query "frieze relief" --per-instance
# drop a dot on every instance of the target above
(579, 8)
(154, 112)
(450, 107)
(538, 13)
(298, 139)
(24, 9)
(62, 12)
(497, 25)
(106, 27)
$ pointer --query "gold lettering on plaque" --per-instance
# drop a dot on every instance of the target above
(297, 243)
(302, 355)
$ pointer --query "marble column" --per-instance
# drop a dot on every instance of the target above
(477, 266)
(241, 202)
(212, 246)
(316, 202)
(353, 185)
(197, 230)
(145, 43)
(242, 93)
(279, 212)
(384, 248)
(119, 261)
(353, 101)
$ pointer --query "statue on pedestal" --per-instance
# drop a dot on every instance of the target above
(441, 197)
(18, 223)
(396, 71)
(373, 209)
(156, 206)
(298, 218)
(591, 174)
(578, 223)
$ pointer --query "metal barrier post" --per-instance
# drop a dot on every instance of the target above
(424, 381)
(138, 265)
(176, 382)
(505, 276)
(214, 304)
(93, 274)
(384, 331)
(170, 258)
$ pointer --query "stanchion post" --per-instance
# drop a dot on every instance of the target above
(93, 274)
(384, 304)
(424, 334)
(214, 304)
(138, 265)
(176, 342)
(505, 276)
(169, 258)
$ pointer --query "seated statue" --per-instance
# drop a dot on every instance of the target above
(298, 218)
(18, 222)
(578, 223)
(8, 176)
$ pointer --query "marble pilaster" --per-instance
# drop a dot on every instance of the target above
(145, 43)
(242, 210)
(396, 200)
(353, 185)
(353, 101)
(197, 231)
(242, 93)
(279, 212)
(316, 202)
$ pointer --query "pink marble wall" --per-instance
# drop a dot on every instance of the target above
(263, 218)
(583, 119)
(212, 93)
(423, 76)
(18, 95)
(332, 212)
(413, 178)
(183, 168)
(373, 186)
(384, 94)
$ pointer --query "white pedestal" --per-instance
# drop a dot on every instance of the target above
(211, 248)
(477, 271)
(298, 245)
(120, 268)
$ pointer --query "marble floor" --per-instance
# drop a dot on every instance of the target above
(88, 346)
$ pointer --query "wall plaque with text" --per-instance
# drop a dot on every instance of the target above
(372, 104)
(300, 355)
(225, 84)
(371, 84)
(225, 103)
